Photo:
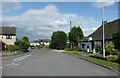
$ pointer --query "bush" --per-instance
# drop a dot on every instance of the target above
(109, 48)
(67, 45)
(73, 49)
(113, 58)
(23, 44)
(99, 56)
(98, 48)
(68, 49)
(76, 49)
(116, 40)
(11, 48)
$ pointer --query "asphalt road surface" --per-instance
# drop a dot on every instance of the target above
(48, 63)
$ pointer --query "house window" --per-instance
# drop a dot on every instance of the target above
(83, 46)
(8, 37)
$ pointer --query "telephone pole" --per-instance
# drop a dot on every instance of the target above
(71, 43)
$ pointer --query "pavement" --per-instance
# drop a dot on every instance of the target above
(49, 63)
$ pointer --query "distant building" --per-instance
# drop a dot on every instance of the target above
(35, 43)
(39, 42)
(96, 38)
(7, 36)
(44, 41)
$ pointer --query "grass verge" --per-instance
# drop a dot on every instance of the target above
(2, 54)
(75, 52)
(104, 63)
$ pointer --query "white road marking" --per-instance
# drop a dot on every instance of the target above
(21, 58)
(17, 60)
(7, 64)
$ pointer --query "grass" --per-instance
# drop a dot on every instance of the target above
(2, 54)
(102, 62)
(75, 52)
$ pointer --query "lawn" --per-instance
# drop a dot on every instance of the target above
(102, 62)
(75, 52)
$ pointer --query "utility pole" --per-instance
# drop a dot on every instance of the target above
(70, 24)
(103, 33)
(71, 43)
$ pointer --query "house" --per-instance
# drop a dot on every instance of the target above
(90, 42)
(35, 43)
(7, 36)
(44, 42)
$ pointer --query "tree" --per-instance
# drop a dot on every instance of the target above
(23, 44)
(75, 35)
(19, 44)
(59, 40)
(116, 40)
(25, 38)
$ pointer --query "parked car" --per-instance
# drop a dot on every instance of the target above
(32, 47)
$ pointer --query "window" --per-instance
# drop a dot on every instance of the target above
(83, 46)
(87, 46)
(8, 37)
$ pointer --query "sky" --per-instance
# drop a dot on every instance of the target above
(40, 19)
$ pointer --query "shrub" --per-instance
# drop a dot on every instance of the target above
(99, 56)
(109, 48)
(68, 49)
(113, 58)
(98, 48)
(11, 48)
(67, 45)
(23, 44)
(76, 49)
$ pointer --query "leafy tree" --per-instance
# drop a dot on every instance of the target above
(25, 38)
(75, 35)
(23, 44)
(59, 40)
(19, 44)
(116, 40)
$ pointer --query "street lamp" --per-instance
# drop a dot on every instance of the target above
(103, 32)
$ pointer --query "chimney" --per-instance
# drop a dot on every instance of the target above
(105, 22)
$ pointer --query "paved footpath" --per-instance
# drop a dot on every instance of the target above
(48, 63)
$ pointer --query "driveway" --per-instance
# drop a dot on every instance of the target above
(49, 63)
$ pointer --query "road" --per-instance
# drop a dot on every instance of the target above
(48, 63)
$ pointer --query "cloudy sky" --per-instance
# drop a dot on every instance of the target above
(39, 19)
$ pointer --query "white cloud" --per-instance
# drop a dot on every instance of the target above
(40, 23)
(107, 3)
(9, 6)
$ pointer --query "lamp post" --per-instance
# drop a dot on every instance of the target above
(103, 32)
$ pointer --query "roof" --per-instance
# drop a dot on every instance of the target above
(44, 40)
(109, 28)
(8, 30)
(41, 40)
